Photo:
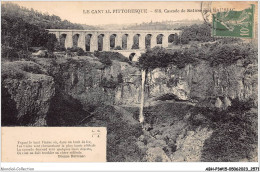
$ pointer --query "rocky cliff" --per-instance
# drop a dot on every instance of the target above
(92, 83)
(203, 82)
(26, 93)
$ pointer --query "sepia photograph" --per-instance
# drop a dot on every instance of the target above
(140, 81)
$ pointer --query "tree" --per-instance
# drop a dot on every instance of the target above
(201, 33)
(105, 59)
(118, 48)
(51, 43)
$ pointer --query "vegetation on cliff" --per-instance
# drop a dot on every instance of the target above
(106, 57)
(23, 29)
(215, 54)
(164, 25)
(44, 21)
(19, 35)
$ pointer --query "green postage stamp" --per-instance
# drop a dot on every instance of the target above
(234, 23)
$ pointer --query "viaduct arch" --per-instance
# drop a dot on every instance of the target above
(88, 39)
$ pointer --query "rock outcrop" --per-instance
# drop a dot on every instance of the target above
(29, 89)
(190, 144)
(202, 81)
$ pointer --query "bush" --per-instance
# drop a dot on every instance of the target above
(201, 33)
(80, 52)
(167, 96)
(33, 69)
(50, 55)
(118, 48)
(18, 69)
(51, 42)
(105, 83)
(9, 53)
(135, 46)
(105, 60)
(76, 51)
(228, 54)
(160, 57)
(106, 57)
(72, 49)
(59, 47)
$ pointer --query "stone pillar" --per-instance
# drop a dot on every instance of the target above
(142, 41)
(81, 41)
(165, 40)
(94, 43)
(153, 40)
(106, 42)
(69, 40)
(130, 41)
(118, 40)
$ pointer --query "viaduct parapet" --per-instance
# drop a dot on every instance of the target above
(88, 40)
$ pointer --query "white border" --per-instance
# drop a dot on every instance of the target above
(139, 166)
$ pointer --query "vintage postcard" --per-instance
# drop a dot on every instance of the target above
(140, 81)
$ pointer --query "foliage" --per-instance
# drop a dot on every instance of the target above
(18, 36)
(8, 52)
(79, 51)
(44, 21)
(117, 48)
(201, 33)
(228, 54)
(106, 57)
(135, 46)
(23, 28)
(51, 42)
(160, 57)
(103, 58)
(108, 83)
(21, 35)
(59, 47)
(174, 39)
(167, 96)
(163, 25)
(218, 53)
(19, 69)
(50, 55)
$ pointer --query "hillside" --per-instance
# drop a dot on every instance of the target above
(164, 25)
(39, 19)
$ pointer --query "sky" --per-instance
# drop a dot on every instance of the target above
(73, 11)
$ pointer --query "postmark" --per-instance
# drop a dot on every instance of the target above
(206, 12)
(234, 23)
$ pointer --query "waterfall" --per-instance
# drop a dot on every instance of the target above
(141, 116)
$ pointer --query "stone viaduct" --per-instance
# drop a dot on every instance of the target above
(91, 37)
